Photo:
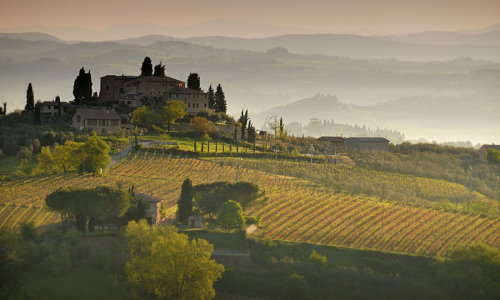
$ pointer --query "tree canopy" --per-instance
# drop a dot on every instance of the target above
(30, 99)
(193, 82)
(82, 87)
(159, 70)
(185, 202)
(231, 215)
(147, 67)
(471, 272)
(220, 100)
(211, 98)
(168, 265)
(200, 125)
(173, 111)
(88, 206)
(210, 197)
(89, 156)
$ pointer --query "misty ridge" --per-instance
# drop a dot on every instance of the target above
(435, 85)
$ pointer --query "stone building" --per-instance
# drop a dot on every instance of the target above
(100, 120)
(335, 141)
(129, 90)
(51, 108)
(367, 143)
(153, 206)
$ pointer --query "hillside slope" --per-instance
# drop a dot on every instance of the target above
(292, 209)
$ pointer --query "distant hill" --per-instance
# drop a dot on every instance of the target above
(356, 46)
(31, 36)
(448, 38)
(258, 80)
(443, 118)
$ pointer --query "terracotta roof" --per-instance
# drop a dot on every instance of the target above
(368, 139)
(99, 114)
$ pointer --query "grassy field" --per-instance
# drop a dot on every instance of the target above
(292, 209)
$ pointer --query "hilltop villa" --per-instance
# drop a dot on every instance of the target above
(129, 90)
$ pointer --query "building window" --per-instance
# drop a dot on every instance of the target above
(78, 119)
(107, 88)
(205, 105)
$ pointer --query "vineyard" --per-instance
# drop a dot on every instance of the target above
(386, 185)
(291, 209)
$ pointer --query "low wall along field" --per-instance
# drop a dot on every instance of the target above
(291, 209)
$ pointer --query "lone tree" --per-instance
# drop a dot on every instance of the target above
(194, 81)
(173, 111)
(159, 70)
(82, 87)
(30, 99)
(231, 215)
(147, 67)
(211, 98)
(220, 100)
(168, 264)
(200, 125)
(185, 202)
(251, 133)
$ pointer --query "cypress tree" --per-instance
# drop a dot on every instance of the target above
(211, 98)
(244, 121)
(82, 87)
(193, 81)
(58, 102)
(30, 99)
(147, 67)
(185, 202)
(220, 100)
(37, 118)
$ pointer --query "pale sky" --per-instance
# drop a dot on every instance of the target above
(382, 16)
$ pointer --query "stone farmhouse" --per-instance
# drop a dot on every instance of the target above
(100, 120)
(335, 141)
(129, 90)
(50, 108)
(367, 143)
(153, 206)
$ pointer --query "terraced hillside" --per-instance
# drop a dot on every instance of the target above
(292, 209)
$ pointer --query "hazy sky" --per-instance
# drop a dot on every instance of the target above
(382, 16)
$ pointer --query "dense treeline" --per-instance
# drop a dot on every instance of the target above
(101, 205)
(30, 138)
(89, 156)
